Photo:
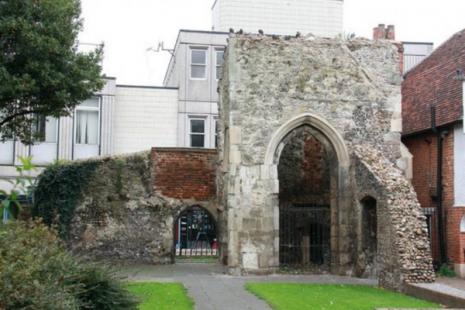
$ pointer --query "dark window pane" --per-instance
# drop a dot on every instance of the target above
(199, 57)
(38, 128)
(197, 141)
(219, 58)
(219, 72)
(198, 72)
(197, 126)
(216, 134)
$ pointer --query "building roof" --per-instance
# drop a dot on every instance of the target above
(433, 83)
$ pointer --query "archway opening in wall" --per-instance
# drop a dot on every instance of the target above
(306, 191)
(369, 236)
(195, 235)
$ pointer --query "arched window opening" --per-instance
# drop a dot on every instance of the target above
(369, 234)
(304, 200)
(195, 234)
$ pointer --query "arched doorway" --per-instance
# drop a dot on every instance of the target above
(305, 175)
(341, 194)
(195, 234)
(369, 237)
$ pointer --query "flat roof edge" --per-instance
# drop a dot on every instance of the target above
(147, 87)
(415, 42)
(203, 31)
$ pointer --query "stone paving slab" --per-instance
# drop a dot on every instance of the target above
(439, 293)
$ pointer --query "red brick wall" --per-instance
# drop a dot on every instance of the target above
(424, 150)
(185, 173)
(433, 83)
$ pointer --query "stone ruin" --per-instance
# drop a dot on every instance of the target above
(311, 162)
(309, 179)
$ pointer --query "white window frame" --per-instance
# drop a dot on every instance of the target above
(99, 125)
(219, 49)
(192, 64)
(190, 133)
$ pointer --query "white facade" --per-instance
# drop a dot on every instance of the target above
(118, 119)
(144, 117)
(195, 69)
(283, 17)
(414, 53)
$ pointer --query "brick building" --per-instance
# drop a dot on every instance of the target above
(433, 131)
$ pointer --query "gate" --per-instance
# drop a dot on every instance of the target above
(304, 234)
(195, 234)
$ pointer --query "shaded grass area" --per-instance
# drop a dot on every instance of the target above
(161, 296)
(320, 296)
(196, 259)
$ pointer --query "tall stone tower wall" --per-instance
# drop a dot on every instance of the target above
(348, 93)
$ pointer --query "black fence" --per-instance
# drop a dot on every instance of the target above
(304, 235)
(195, 234)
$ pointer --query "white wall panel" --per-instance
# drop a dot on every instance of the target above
(6, 152)
(320, 17)
(144, 118)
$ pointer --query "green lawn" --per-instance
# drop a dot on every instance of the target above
(161, 296)
(315, 296)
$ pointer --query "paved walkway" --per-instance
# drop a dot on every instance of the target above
(454, 282)
(446, 291)
(213, 289)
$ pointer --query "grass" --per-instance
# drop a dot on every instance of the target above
(161, 296)
(196, 259)
(333, 297)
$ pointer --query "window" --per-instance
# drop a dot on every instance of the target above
(216, 133)
(197, 132)
(87, 122)
(219, 63)
(44, 129)
(198, 63)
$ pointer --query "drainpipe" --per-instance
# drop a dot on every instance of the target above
(440, 135)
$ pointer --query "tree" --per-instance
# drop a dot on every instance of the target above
(41, 71)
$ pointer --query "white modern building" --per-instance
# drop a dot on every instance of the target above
(119, 119)
(195, 69)
(283, 17)
(184, 111)
(415, 52)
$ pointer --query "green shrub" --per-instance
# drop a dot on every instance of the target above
(36, 272)
(446, 271)
(100, 290)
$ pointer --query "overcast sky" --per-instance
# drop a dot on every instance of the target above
(129, 27)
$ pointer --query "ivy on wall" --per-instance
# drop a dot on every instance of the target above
(59, 189)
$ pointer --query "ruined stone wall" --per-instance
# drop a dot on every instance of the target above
(124, 214)
(401, 223)
(348, 92)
